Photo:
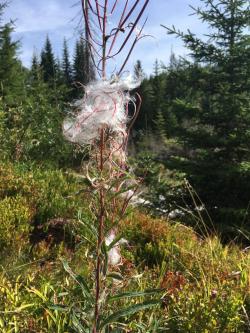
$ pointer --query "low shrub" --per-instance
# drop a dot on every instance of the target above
(37, 204)
(200, 310)
(203, 285)
(165, 188)
(15, 222)
(156, 240)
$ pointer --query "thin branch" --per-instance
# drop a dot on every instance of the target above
(132, 48)
(132, 29)
(115, 4)
(119, 28)
(130, 12)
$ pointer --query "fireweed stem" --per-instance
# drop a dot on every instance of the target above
(101, 192)
(95, 128)
(100, 235)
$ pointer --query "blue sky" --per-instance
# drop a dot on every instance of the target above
(59, 18)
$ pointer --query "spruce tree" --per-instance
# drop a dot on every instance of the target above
(66, 65)
(48, 63)
(11, 71)
(157, 117)
(226, 55)
(83, 67)
(143, 123)
(219, 118)
(79, 62)
(89, 65)
(138, 71)
(35, 70)
(2, 6)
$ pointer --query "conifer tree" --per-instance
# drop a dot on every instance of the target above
(66, 65)
(89, 66)
(79, 77)
(79, 62)
(159, 102)
(143, 121)
(59, 75)
(138, 71)
(48, 62)
(83, 68)
(2, 6)
(219, 121)
(35, 70)
(226, 54)
(11, 71)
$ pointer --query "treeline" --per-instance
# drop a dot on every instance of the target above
(73, 75)
(34, 102)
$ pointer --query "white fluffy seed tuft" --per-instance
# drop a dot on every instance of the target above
(104, 105)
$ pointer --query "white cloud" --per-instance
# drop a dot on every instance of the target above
(36, 19)
(41, 16)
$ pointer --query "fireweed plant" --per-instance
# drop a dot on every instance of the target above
(103, 121)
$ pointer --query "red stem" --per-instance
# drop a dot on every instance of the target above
(104, 39)
(118, 29)
(100, 236)
(101, 192)
(132, 29)
(131, 49)
(130, 12)
(115, 4)
(98, 13)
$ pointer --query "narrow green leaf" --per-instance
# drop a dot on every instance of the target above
(38, 293)
(135, 294)
(25, 306)
(90, 227)
(78, 278)
(58, 307)
(115, 275)
(83, 284)
(104, 250)
(114, 242)
(50, 314)
(78, 325)
(128, 312)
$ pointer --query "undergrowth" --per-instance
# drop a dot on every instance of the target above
(203, 286)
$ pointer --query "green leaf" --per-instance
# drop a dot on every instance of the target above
(115, 275)
(79, 279)
(128, 312)
(25, 306)
(90, 227)
(38, 293)
(104, 250)
(114, 242)
(135, 294)
(50, 314)
(78, 325)
(83, 284)
(58, 307)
